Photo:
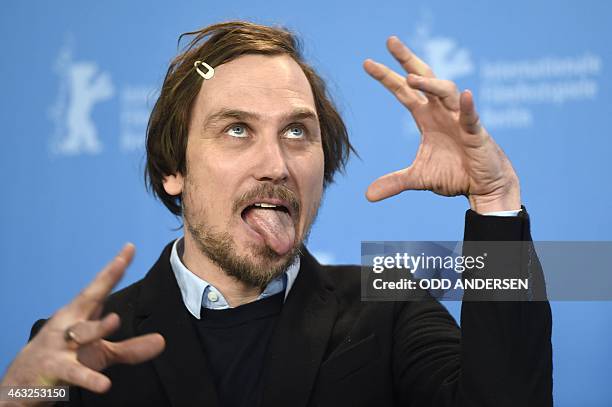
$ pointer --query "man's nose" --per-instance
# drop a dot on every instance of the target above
(271, 162)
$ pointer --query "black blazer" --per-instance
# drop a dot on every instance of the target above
(331, 349)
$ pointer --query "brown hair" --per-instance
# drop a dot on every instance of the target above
(217, 44)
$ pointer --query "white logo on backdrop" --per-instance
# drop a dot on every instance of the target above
(134, 114)
(508, 90)
(443, 54)
(82, 86)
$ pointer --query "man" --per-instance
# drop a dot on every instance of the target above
(241, 143)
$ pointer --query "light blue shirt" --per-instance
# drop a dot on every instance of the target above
(198, 293)
(503, 213)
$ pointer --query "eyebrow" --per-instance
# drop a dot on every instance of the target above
(243, 115)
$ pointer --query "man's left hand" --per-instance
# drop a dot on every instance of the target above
(457, 156)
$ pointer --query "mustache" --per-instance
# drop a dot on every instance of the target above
(267, 190)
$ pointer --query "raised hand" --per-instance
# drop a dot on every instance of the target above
(457, 156)
(69, 348)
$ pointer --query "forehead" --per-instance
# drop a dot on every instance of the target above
(267, 85)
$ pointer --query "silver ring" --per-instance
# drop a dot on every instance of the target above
(70, 336)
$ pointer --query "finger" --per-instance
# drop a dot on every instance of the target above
(394, 82)
(409, 61)
(97, 312)
(136, 350)
(392, 184)
(468, 117)
(446, 91)
(88, 331)
(77, 374)
(96, 292)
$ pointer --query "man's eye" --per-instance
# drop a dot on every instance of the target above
(295, 132)
(237, 130)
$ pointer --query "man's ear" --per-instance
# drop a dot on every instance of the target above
(173, 184)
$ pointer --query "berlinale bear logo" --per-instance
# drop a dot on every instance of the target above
(82, 86)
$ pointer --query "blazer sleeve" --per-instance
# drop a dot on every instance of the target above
(502, 354)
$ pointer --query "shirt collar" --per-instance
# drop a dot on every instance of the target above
(198, 293)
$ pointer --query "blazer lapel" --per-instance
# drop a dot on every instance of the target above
(182, 366)
(301, 337)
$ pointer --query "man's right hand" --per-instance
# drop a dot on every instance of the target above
(69, 348)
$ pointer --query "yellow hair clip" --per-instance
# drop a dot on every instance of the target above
(209, 69)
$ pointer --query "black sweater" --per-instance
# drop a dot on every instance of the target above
(235, 341)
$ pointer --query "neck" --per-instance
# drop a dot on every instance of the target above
(235, 292)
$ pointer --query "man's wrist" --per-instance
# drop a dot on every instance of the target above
(509, 200)
(483, 208)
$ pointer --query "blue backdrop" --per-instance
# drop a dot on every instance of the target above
(79, 79)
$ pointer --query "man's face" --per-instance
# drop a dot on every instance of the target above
(255, 162)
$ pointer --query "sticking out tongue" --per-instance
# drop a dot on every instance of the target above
(274, 225)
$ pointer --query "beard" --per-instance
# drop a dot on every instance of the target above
(262, 264)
